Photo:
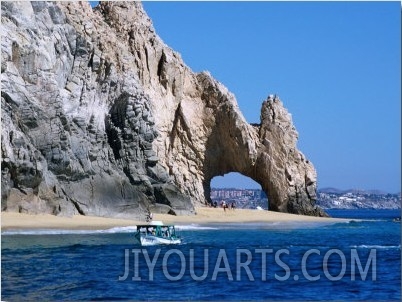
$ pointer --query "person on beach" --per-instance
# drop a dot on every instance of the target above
(225, 206)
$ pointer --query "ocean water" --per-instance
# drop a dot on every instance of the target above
(357, 260)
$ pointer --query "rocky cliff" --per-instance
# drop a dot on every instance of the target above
(100, 117)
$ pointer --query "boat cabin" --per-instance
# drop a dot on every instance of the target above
(163, 231)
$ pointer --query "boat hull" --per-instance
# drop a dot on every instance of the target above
(149, 240)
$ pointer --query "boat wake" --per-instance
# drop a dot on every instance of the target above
(127, 229)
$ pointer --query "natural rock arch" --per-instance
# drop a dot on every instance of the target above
(266, 153)
(286, 177)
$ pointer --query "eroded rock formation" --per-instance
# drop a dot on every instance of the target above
(100, 117)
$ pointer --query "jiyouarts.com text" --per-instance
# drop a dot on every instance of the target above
(244, 264)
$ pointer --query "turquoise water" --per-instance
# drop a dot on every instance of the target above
(272, 261)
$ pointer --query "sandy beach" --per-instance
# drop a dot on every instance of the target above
(203, 216)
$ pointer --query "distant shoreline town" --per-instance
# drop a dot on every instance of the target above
(327, 198)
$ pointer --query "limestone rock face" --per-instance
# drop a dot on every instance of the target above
(100, 117)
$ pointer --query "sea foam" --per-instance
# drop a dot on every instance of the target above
(364, 246)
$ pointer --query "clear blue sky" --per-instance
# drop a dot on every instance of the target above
(335, 65)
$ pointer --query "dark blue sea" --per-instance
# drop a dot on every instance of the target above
(355, 260)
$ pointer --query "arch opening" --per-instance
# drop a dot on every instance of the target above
(241, 191)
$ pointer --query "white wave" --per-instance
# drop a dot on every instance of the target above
(278, 225)
(127, 229)
(194, 227)
(364, 246)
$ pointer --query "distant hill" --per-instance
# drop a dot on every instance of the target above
(354, 191)
(331, 198)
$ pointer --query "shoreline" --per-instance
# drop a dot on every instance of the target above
(204, 216)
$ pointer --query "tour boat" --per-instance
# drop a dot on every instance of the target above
(156, 233)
